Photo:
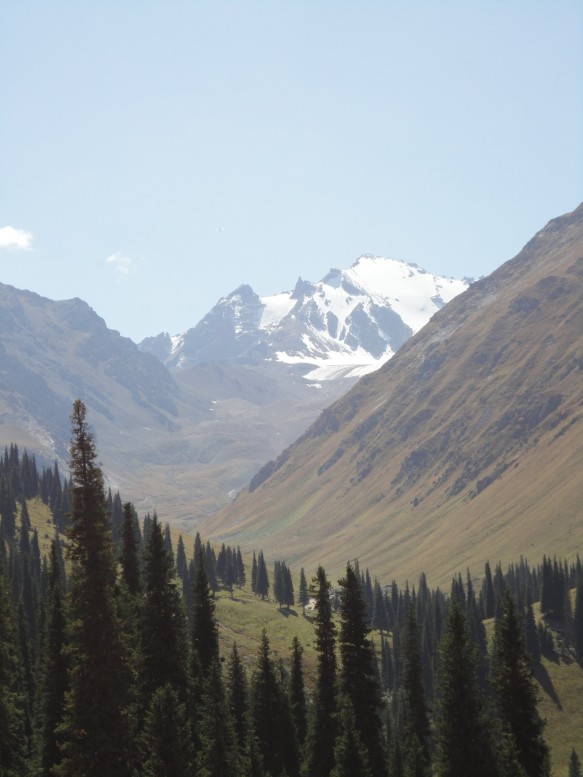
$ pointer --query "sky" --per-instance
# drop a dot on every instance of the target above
(156, 155)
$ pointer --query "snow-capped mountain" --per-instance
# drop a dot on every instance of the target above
(348, 324)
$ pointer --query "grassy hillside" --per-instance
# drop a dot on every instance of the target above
(465, 446)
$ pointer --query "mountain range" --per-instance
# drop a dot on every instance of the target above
(346, 325)
(466, 445)
(181, 422)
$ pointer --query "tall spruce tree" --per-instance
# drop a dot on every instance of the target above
(574, 764)
(578, 621)
(415, 718)
(218, 755)
(322, 724)
(130, 563)
(13, 750)
(166, 743)
(350, 755)
(463, 745)
(271, 716)
(262, 578)
(303, 593)
(515, 692)
(95, 727)
(297, 693)
(358, 674)
(238, 698)
(163, 642)
(205, 638)
(52, 670)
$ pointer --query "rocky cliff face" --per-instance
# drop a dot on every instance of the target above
(352, 320)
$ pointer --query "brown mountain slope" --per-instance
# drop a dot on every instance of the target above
(467, 445)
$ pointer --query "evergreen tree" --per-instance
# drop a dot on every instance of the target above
(297, 694)
(218, 755)
(240, 567)
(350, 755)
(380, 618)
(165, 742)
(262, 578)
(531, 640)
(462, 733)
(181, 563)
(230, 571)
(12, 731)
(211, 567)
(94, 729)
(205, 638)
(130, 564)
(52, 671)
(303, 593)
(322, 719)
(414, 713)
(516, 694)
(271, 717)
(358, 676)
(254, 574)
(578, 621)
(162, 621)
(574, 764)
(238, 698)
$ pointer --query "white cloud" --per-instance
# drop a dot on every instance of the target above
(123, 265)
(16, 239)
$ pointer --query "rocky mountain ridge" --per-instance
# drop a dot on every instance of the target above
(348, 324)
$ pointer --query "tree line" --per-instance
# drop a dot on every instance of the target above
(110, 664)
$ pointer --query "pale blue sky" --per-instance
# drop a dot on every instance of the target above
(162, 153)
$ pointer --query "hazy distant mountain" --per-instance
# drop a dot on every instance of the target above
(181, 442)
(348, 324)
(466, 445)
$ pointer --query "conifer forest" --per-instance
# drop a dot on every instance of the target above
(110, 662)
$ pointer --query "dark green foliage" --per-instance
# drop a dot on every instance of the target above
(130, 563)
(358, 676)
(272, 718)
(462, 732)
(205, 638)
(578, 621)
(322, 719)
(238, 698)
(261, 578)
(240, 567)
(211, 567)
(350, 754)
(574, 764)
(297, 693)
(380, 618)
(52, 670)
(254, 574)
(94, 728)
(516, 694)
(162, 621)
(303, 593)
(218, 755)
(283, 590)
(12, 731)
(414, 709)
(165, 743)
(531, 639)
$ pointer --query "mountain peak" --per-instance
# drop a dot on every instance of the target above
(347, 324)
